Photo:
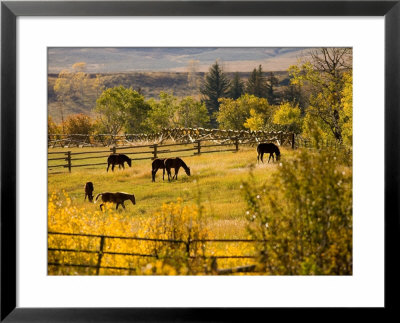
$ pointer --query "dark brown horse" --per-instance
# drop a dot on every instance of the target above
(117, 198)
(155, 166)
(268, 148)
(175, 163)
(119, 159)
(89, 191)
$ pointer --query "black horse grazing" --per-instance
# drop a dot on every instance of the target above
(119, 159)
(89, 191)
(268, 148)
(155, 166)
(175, 163)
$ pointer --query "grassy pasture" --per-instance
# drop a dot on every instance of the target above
(216, 180)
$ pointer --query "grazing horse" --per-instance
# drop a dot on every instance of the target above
(155, 166)
(118, 198)
(268, 148)
(175, 163)
(119, 159)
(89, 191)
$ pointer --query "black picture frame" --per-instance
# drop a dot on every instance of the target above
(10, 10)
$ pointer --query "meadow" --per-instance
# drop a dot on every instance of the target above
(299, 210)
(214, 182)
(215, 187)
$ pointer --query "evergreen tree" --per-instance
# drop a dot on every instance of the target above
(272, 81)
(237, 87)
(256, 84)
(215, 86)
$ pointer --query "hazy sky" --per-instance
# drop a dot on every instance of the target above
(179, 59)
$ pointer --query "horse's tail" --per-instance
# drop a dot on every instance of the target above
(98, 196)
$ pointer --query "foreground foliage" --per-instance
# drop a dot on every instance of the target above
(180, 228)
(305, 216)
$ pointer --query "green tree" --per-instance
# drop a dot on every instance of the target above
(170, 112)
(215, 86)
(192, 114)
(120, 109)
(163, 112)
(256, 84)
(296, 96)
(324, 74)
(237, 87)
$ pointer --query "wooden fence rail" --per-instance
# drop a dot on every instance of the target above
(154, 151)
(102, 242)
(176, 135)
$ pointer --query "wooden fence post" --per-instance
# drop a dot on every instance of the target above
(237, 143)
(155, 151)
(100, 255)
(114, 150)
(293, 143)
(280, 134)
(68, 159)
(198, 146)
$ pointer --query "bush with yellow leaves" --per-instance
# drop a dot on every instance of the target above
(171, 243)
(304, 216)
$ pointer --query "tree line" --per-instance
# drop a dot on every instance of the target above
(317, 100)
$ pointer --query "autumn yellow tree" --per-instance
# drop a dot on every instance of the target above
(288, 118)
(78, 124)
(52, 127)
(326, 74)
(62, 88)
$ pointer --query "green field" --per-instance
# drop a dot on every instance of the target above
(216, 179)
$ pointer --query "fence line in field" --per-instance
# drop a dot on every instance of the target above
(100, 252)
(176, 135)
(198, 147)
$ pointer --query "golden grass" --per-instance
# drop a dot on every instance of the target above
(216, 180)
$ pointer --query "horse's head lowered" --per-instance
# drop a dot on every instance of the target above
(278, 155)
(129, 161)
(187, 170)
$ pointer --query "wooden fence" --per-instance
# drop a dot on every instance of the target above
(141, 152)
(100, 252)
(176, 135)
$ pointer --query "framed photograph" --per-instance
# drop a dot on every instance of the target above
(203, 160)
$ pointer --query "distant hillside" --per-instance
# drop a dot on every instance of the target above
(172, 59)
(150, 84)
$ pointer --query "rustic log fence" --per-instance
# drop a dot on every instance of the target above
(176, 135)
(188, 243)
